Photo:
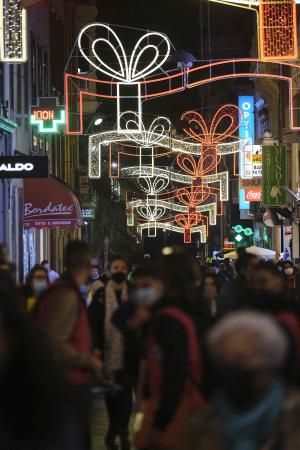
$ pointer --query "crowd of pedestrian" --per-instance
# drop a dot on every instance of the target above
(189, 356)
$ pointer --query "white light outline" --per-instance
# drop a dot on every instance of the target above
(202, 229)
(121, 129)
(211, 208)
(128, 70)
(154, 185)
(94, 168)
(23, 33)
(221, 177)
(175, 145)
(128, 74)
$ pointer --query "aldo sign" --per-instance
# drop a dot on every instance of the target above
(24, 167)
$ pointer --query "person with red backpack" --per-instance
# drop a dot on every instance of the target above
(63, 316)
(173, 367)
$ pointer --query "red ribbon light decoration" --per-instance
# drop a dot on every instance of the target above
(207, 163)
(188, 221)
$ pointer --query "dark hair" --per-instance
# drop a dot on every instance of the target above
(32, 389)
(146, 269)
(118, 258)
(78, 255)
(32, 272)
(243, 260)
(217, 281)
(287, 262)
(45, 261)
(270, 267)
(178, 272)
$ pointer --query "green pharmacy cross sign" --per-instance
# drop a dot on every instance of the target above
(242, 235)
(48, 115)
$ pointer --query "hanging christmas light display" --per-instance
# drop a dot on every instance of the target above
(13, 32)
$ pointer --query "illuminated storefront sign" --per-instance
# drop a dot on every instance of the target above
(253, 194)
(246, 132)
(251, 165)
(48, 115)
(23, 166)
(13, 32)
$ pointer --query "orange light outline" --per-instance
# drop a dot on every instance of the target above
(189, 85)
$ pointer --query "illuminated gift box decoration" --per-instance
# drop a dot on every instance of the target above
(153, 47)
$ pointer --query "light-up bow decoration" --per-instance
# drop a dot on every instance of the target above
(158, 130)
(277, 26)
(151, 187)
(149, 53)
(209, 138)
(207, 163)
(151, 215)
(226, 119)
(187, 222)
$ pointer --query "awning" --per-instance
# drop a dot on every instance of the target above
(50, 203)
(29, 3)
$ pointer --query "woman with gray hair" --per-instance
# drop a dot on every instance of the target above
(251, 408)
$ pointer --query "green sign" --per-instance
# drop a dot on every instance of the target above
(243, 237)
(274, 175)
(48, 115)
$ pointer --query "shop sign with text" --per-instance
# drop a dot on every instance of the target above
(24, 167)
(274, 175)
(48, 115)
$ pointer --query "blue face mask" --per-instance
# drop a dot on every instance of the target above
(84, 289)
(146, 295)
(39, 287)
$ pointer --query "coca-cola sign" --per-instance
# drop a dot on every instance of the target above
(253, 195)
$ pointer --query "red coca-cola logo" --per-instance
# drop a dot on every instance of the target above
(253, 195)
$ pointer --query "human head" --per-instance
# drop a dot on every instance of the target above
(118, 269)
(288, 268)
(95, 272)
(38, 279)
(147, 279)
(245, 264)
(211, 286)
(78, 258)
(178, 272)
(46, 264)
(267, 278)
(248, 351)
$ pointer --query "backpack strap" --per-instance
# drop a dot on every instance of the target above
(194, 353)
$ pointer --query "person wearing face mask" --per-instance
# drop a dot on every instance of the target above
(37, 282)
(94, 284)
(63, 317)
(132, 317)
(291, 281)
(251, 407)
(110, 341)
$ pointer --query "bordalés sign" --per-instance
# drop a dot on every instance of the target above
(24, 167)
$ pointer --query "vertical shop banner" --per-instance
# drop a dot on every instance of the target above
(274, 175)
(246, 133)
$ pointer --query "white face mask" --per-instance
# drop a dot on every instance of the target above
(289, 271)
(39, 287)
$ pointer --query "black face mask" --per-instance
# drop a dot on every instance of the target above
(238, 384)
(119, 277)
